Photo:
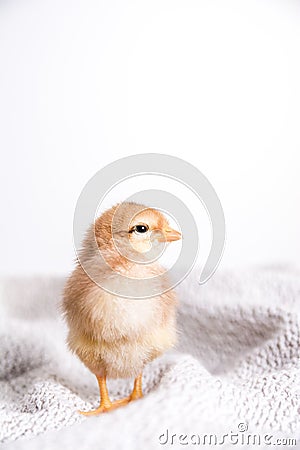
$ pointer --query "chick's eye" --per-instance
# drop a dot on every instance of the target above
(140, 228)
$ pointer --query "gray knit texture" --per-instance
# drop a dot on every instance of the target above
(237, 362)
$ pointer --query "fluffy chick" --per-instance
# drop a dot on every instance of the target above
(115, 336)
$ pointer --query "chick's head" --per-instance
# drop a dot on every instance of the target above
(148, 227)
(133, 229)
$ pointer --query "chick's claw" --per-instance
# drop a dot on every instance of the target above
(106, 407)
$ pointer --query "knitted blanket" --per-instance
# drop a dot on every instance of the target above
(233, 379)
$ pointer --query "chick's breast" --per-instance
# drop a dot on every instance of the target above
(116, 336)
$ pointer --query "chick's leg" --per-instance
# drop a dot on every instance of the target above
(135, 394)
(137, 388)
(105, 403)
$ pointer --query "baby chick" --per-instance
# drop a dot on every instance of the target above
(116, 335)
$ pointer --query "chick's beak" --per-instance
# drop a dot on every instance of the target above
(170, 235)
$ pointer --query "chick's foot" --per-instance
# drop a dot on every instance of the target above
(105, 407)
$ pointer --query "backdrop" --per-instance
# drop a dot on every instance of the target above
(83, 83)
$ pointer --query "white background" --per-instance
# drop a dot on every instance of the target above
(83, 83)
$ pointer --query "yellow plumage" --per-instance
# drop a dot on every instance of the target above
(115, 336)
